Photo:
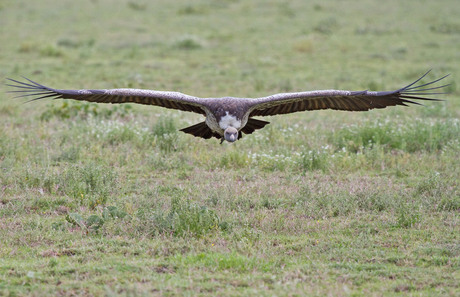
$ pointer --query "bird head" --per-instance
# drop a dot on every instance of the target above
(231, 134)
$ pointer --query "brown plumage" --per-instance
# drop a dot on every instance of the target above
(228, 117)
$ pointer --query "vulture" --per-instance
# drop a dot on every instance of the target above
(227, 118)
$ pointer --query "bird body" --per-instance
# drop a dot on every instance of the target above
(227, 118)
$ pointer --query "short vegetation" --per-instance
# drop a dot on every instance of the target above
(112, 200)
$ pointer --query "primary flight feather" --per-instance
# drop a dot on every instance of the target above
(227, 118)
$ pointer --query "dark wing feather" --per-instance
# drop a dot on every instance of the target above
(201, 130)
(253, 125)
(173, 100)
(343, 100)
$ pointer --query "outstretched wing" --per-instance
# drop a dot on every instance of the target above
(343, 100)
(172, 100)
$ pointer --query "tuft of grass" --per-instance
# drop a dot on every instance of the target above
(166, 135)
(51, 51)
(164, 125)
(446, 28)
(115, 132)
(314, 160)
(75, 43)
(430, 185)
(449, 203)
(407, 216)
(27, 47)
(90, 184)
(137, 6)
(93, 223)
(71, 155)
(327, 26)
(305, 46)
(188, 42)
(183, 219)
(233, 159)
(190, 9)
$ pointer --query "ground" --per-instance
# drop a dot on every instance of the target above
(113, 200)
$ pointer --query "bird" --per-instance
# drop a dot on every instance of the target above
(228, 118)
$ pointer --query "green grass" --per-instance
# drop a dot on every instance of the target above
(113, 200)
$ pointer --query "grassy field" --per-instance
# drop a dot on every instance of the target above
(112, 200)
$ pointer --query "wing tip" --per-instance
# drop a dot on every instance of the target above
(31, 88)
(419, 92)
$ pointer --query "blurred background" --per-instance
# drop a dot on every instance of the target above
(229, 47)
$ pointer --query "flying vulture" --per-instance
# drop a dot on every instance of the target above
(227, 118)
